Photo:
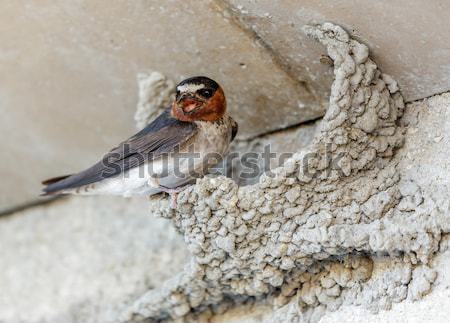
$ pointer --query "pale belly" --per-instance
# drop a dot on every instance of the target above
(139, 181)
(133, 182)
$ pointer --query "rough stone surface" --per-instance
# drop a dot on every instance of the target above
(433, 308)
(156, 93)
(422, 163)
(322, 241)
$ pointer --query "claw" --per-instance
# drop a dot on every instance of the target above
(173, 192)
(173, 200)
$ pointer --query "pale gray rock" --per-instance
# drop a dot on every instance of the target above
(156, 93)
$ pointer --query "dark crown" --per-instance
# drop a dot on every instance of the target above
(200, 80)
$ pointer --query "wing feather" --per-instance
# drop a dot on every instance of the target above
(163, 135)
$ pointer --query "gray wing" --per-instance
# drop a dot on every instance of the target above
(162, 136)
(234, 129)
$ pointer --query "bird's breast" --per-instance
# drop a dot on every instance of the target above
(213, 137)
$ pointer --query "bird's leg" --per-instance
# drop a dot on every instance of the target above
(173, 192)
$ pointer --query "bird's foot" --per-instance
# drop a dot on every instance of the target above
(173, 192)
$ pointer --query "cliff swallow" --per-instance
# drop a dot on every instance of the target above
(182, 143)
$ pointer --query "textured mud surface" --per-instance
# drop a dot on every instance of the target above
(155, 94)
(337, 223)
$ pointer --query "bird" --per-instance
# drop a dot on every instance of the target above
(181, 144)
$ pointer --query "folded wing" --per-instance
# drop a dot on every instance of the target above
(163, 135)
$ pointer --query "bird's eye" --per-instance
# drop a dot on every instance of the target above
(177, 94)
(206, 93)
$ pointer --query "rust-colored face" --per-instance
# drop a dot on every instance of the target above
(199, 98)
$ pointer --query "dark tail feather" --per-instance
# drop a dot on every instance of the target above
(54, 179)
(48, 190)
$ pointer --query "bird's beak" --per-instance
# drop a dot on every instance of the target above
(189, 103)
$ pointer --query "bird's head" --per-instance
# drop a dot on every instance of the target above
(199, 99)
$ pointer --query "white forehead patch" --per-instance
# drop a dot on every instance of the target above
(192, 88)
